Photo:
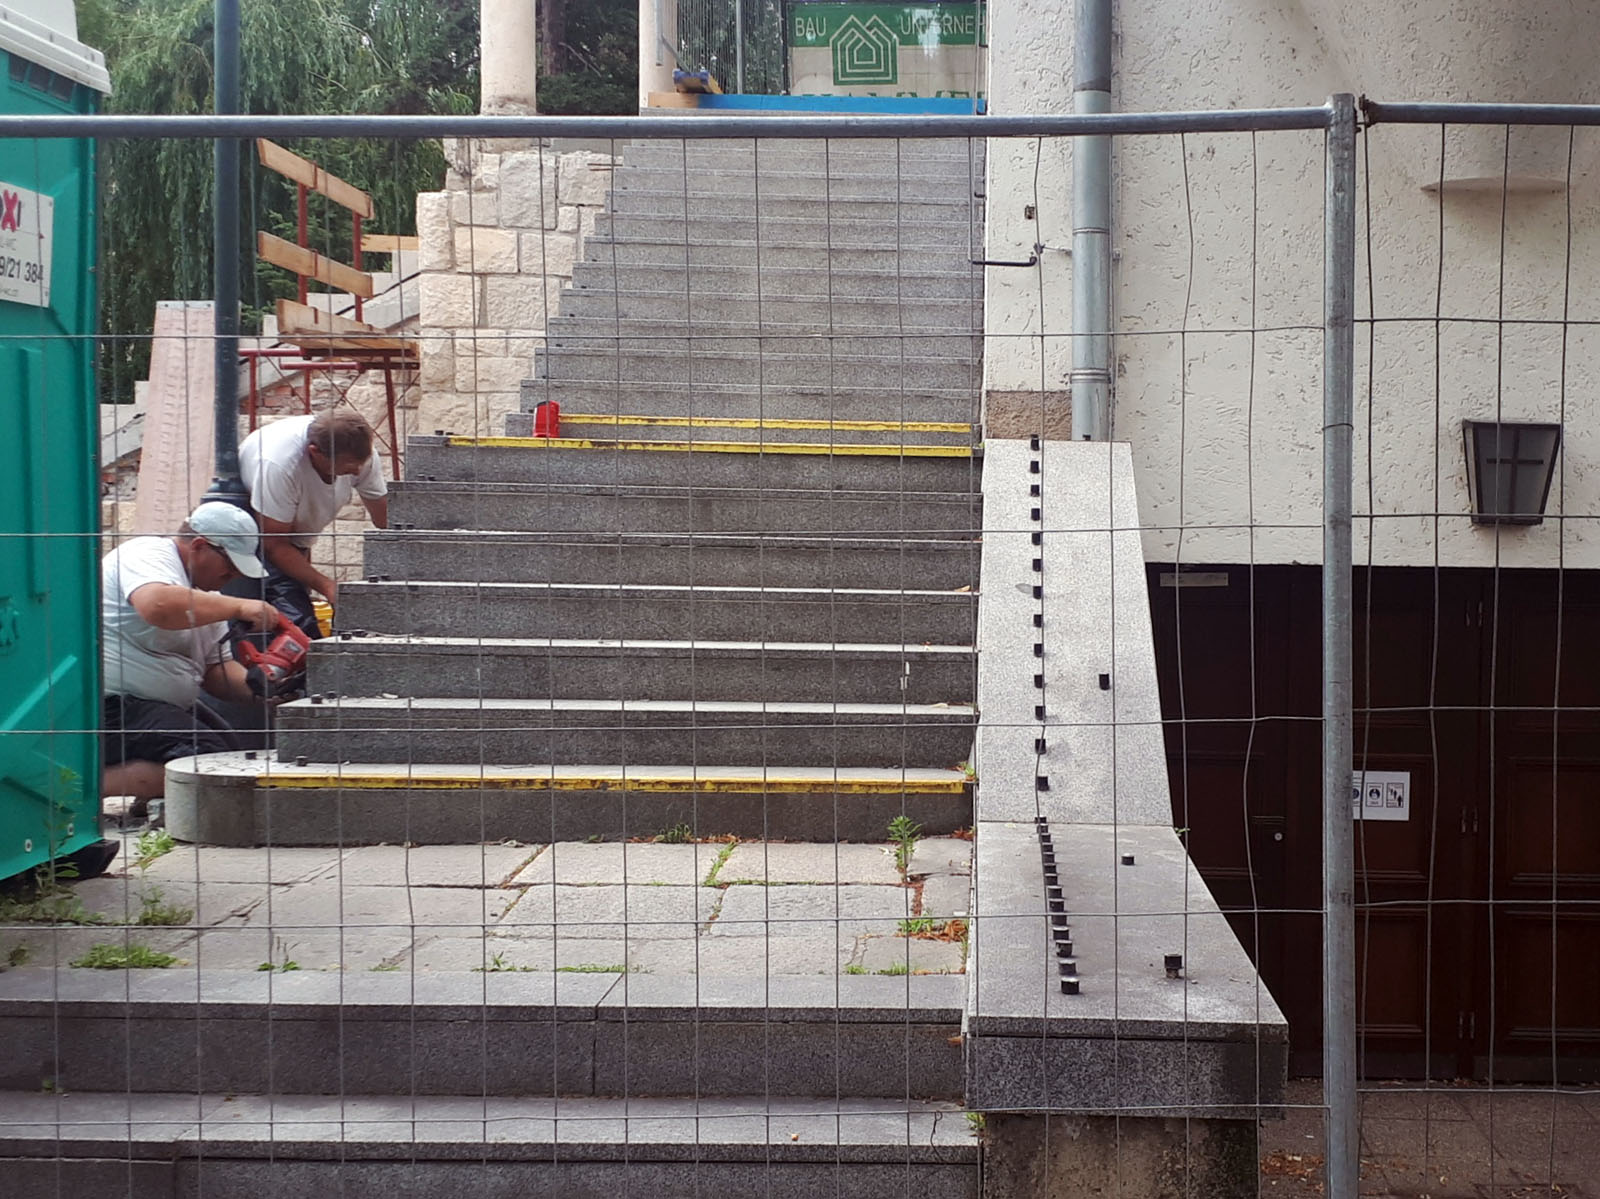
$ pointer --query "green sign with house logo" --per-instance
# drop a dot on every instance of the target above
(864, 40)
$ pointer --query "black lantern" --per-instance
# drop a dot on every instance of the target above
(1509, 468)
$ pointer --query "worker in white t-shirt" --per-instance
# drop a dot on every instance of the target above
(300, 472)
(166, 640)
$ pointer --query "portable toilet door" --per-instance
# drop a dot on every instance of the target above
(49, 476)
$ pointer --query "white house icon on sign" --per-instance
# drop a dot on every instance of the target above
(865, 52)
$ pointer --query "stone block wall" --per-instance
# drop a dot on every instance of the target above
(496, 247)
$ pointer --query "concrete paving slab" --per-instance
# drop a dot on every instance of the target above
(911, 954)
(361, 948)
(128, 898)
(620, 861)
(202, 863)
(806, 910)
(946, 895)
(59, 945)
(432, 865)
(750, 958)
(809, 862)
(663, 911)
(325, 904)
(941, 855)
(493, 953)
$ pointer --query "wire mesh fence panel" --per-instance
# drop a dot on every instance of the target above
(737, 739)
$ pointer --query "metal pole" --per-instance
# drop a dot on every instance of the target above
(225, 246)
(738, 46)
(1338, 841)
(279, 126)
(1091, 228)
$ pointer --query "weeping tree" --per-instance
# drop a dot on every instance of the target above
(296, 56)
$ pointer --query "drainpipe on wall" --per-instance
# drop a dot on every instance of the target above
(1090, 379)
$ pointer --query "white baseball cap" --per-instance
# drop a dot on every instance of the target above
(233, 531)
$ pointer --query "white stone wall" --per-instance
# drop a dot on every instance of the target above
(1216, 234)
(496, 247)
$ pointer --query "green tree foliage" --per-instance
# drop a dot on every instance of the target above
(589, 60)
(296, 56)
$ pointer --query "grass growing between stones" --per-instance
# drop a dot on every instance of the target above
(131, 956)
(723, 855)
(153, 911)
(678, 834)
(40, 898)
(927, 928)
(596, 968)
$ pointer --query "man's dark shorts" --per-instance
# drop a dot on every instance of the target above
(148, 730)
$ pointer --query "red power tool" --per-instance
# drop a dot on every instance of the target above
(282, 662)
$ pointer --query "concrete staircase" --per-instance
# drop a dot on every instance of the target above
(738, 594)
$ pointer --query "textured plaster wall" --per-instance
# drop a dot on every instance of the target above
(1215, 235)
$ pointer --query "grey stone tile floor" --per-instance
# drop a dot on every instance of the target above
(759, 908)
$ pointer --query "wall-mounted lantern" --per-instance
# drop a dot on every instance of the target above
(1509, 468)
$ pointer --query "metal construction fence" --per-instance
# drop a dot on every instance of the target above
(754, 746)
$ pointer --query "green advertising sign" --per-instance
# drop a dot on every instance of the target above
(885, 27)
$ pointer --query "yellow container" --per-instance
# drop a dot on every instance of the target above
(324, 611)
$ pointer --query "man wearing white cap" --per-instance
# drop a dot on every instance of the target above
(166, 640)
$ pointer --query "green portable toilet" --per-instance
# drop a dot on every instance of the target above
(49, 477)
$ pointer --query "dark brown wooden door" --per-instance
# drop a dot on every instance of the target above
(1490, 891)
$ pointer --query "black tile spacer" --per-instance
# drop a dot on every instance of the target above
(1036, 513)
(1174, 964)
(1033, 441)
(1033, 489)
(1068, 967)
(1058, 920)
(1041, 820)
(1127, 859)
(1069, 986)
(1038, 681)
(1105, 682)
(1038, 649)
(1033, 467)
(1039, 746)
(1038, 620)
(1038, 591)
(1038, 711)
(1038, 566)
(1041, 782)
(1038, 537)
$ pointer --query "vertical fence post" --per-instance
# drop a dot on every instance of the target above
(1338, 840)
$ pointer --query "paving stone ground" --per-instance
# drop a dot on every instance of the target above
(759, 908)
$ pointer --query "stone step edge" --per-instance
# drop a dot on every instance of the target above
(434, 1131)
(429, 485)
(639, 645)
(266, 772)
(816, 449)
(674, 590)
(539, 995)
(942, 713)
(621, 420)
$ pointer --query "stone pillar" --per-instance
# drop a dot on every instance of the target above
(1067, 1157)
(658, 22)
(508, 44)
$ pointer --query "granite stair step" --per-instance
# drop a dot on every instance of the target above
(257, 798)
(691, 335)
(640, 732)
(759, 366)
(676, 559)
(248, 1032)
(603, 426)
(243, 1146)
(632, 610)
(781, 251)
(846, 401)
(573, 668)
(670, 298)
(797, 283)
(934, 230)
(618, 463)
(522, 507)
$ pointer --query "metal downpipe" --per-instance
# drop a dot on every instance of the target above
(1090, 378)
(1338, 835)
(225, 267)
